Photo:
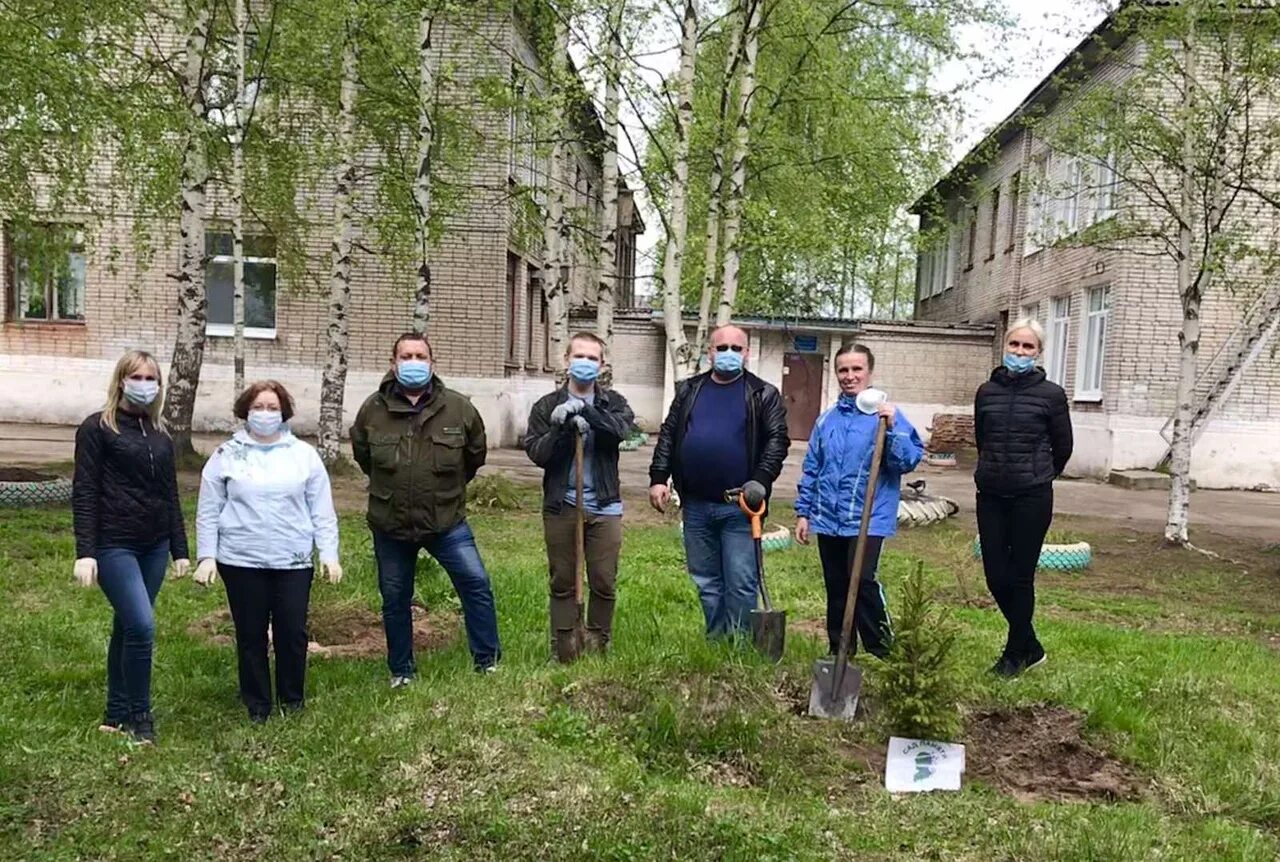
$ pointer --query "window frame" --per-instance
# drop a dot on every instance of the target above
(1058, 345)
(14, 310)
(993, 224)
(1015, 195)
(1034, 236)
(1088, 360)
(228, 330)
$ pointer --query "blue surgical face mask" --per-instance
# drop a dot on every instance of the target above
(584, 370)
(1019, 364)
(727, 362)
(264, 423)
(141, 392)
(413, 373)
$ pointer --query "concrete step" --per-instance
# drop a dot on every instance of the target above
(1142, 480)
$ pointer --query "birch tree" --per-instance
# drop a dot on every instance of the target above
(333, 383)
(422, 181)
(751, 13)
(1180, 151)
(239, 130)
(188, 347)
(555, 266)
(683, 358)
(607, 296)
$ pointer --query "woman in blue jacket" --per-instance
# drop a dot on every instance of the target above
(832, 489)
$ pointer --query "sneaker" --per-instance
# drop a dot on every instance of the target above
(1005, 667)
(112, 725)
(288, 709)
(400, 681)
(142, 728)
(1011, 667)
(259, 717)
(489, 668)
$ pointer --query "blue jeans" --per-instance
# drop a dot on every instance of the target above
(131, 580)
(455, 550)
(721, 556)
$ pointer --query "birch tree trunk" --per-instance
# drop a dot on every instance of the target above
(333, 383)
(555, 280)
(237, 202)
(683, 359)
(711, 259)
(606, 297)
(742, 140)
(188, 345)
(422, 181)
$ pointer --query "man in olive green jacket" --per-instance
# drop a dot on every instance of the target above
(420, 443)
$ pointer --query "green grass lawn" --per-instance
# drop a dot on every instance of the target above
(670, 748)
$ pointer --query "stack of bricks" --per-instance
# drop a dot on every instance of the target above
(950, 432)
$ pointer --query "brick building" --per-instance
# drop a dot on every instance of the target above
(65, 325)
(1111, 317)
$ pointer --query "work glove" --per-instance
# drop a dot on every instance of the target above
(332, 571)
(580, 422)
(181, 568)
(86, 571)
(565, 410)
(753, 494)
(206, 572)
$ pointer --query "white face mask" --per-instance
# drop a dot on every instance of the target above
(141, 392)
(264, 423)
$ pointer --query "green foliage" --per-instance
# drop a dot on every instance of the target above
(497, 492)
(919, 689)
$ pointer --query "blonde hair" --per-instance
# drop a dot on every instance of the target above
(1027, 323)
(126, 366)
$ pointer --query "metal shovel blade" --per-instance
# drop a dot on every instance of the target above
(843, 704)
(769, 632)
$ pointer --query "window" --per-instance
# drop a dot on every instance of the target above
(1015, 190)
(1093, 345)
(1104, 195)
(952, 253)
(1037, 207)
(1031, 311)
(45, 272)
(513, 308)
(973, 235)
(1070, 199)
(259, 285)
(1055, 361)
(993, 224)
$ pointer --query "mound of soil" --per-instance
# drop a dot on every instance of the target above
(1036, 753)
(21, 474)
(345, 630)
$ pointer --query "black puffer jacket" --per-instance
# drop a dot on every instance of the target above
(1023, 429)
(767, 440)
(125, 493)
(551, 446)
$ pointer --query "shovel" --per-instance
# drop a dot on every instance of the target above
(768, 626)
(836, 685)
(580, 549)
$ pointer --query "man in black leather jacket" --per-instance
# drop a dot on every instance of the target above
(725, 427)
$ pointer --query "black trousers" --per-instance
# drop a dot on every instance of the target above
(277, 598)
(1012, 529)
(871, 614)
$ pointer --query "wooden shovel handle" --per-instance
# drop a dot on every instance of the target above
(580, 529)
(859, 553)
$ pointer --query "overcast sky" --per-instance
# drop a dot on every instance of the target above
(1045, 31)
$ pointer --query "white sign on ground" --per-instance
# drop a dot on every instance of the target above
(916, 765)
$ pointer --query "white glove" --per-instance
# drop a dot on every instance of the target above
(206, 572)
(333, 571)
(565, 410)
(581, 423)
(181, 568)
(86, 571)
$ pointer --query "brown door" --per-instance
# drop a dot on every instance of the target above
(802, 392)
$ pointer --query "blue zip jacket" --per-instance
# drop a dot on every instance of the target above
(833, 482)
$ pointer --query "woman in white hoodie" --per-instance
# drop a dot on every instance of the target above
(265, 503)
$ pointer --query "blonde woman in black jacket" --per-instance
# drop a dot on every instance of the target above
(1023, 431)
(128, 523)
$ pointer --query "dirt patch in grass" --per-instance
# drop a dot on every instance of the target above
(1037, 753)
(345, 630)
(22, 474)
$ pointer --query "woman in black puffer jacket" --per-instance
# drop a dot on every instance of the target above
(128, 523)
(1023, 430)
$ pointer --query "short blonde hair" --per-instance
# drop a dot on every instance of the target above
(1027, 323)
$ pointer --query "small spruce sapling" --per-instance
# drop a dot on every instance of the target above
(919, 688)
